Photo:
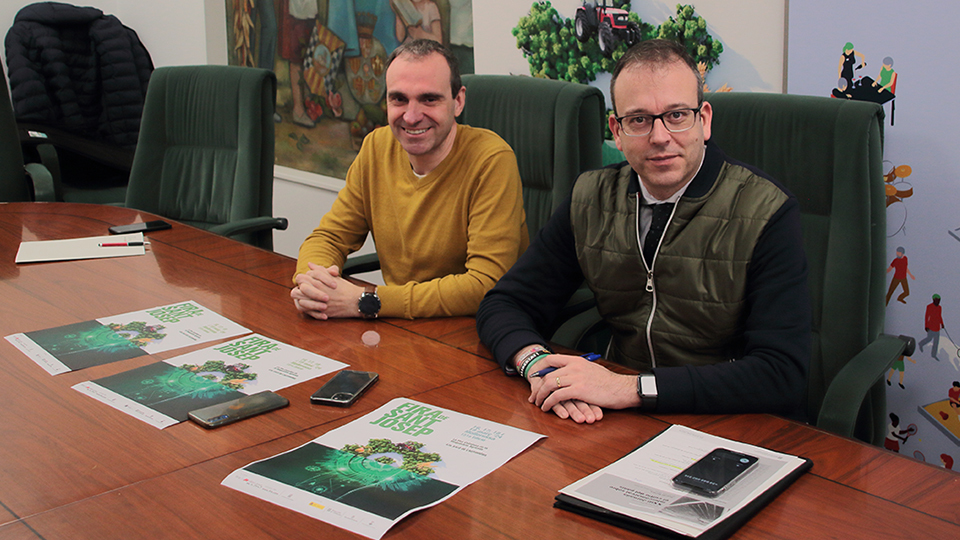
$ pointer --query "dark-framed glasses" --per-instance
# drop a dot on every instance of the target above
(640, 125)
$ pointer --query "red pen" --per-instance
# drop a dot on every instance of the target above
(123, 244)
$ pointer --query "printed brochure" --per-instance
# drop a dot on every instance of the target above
(120, 337)
(162, 394)
(369, 474)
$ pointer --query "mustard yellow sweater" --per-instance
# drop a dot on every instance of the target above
(443, 240)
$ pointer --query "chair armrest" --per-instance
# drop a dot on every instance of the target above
(360, 264)
(841, 403)
(42, 180)
(250, 225)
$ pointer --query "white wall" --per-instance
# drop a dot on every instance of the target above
(176, 32)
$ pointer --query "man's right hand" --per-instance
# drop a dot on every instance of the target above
(322, 294)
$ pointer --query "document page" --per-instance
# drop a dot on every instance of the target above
(91, 247)
(640, 485)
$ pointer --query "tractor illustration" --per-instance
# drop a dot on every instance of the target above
(610, 24)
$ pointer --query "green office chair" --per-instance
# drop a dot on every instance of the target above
(828, 152)
(554, 127)
(205, 154)
(18, 182)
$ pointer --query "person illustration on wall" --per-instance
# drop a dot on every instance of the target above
(848, 59)
(898, 365)
(895, 435)
(841, 91)
(887, 79)
(932, 323)
(953, 395)
(297, 19)
(900, 273)
(947, 461)
(417, 19)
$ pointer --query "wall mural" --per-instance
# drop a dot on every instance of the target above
(847, 50)
(330, 60)
(591, 42)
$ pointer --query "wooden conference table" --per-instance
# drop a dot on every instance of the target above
(71, 467)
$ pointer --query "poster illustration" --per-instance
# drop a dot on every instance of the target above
(369, 474)
(162, 394)
(330, 60)
(120, 337)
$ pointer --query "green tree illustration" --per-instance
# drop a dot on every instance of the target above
(690, 30)
(549, 43)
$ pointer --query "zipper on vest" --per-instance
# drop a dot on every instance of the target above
(649, 286)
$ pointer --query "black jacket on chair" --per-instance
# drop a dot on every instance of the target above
(77, 70)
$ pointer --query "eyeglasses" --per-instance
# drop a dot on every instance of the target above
(677, 120)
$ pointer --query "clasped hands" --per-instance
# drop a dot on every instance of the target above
(578, 388)
(322, 294)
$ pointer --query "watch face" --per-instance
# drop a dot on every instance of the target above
(369, 304)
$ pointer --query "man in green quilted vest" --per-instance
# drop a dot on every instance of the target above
(695, 260)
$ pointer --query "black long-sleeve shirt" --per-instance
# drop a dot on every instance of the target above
(771, 374)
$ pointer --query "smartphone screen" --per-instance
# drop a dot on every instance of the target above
(344, 388)
(716, 471)
(228, 412)
(157, 225)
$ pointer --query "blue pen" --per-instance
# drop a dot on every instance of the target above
(591, 357)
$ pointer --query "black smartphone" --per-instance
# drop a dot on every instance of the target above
(238, 409)
(148, 226)
(716, 471)
(344, 388)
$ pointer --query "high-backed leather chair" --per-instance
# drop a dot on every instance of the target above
(18, 183)
(205, 155)
(78, 78)
(827, 152)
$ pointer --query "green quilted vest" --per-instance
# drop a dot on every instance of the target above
(699, 275)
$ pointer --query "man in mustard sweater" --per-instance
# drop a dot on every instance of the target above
(443, 202)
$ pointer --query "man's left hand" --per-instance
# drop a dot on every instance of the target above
(580, 380)
(322, 294)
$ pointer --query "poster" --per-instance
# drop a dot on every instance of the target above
(369, 474)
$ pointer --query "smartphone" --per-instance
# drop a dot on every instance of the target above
(157, 225)
(716, 471)
(344, 388)
(229, 412)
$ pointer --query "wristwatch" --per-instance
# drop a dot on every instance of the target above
(647, 388)
(369, 303)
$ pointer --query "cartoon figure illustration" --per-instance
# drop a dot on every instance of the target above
(865, 88)
(901, 271)
(847, 61)
(898, 365)
(887, 77)
(946, 461)
(894, 435)
(932, 323)
(897, 189)
(953, 395)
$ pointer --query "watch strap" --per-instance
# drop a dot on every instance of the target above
(647, 390)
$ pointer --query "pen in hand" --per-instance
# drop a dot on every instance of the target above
(590, 357)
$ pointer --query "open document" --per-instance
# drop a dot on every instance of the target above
(164, 393)
(121, 337)
(371, 473)
(637, 492)
(91, 247)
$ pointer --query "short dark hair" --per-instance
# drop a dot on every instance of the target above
(421, 48)
(656, 52)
